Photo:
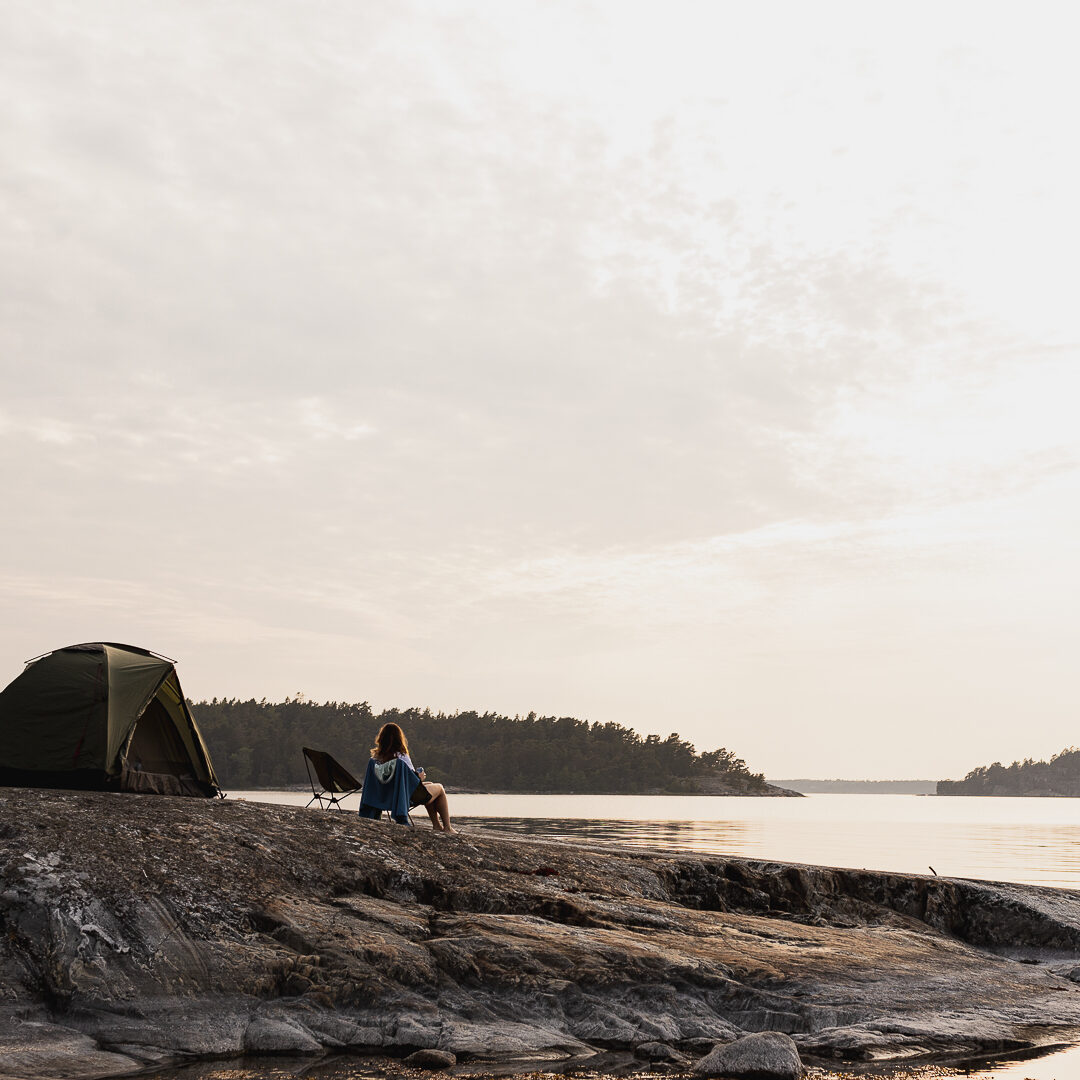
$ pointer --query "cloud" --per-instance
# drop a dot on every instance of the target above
(493, 339)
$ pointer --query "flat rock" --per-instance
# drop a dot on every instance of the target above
(767, 1054)
(31, 1050)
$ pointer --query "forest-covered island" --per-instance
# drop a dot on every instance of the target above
(1058, 776)
(257, 744)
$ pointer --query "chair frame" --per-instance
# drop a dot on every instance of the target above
(334, 783)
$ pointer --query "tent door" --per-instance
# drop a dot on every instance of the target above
(156, 759)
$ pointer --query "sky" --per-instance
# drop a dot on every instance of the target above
(699, 367)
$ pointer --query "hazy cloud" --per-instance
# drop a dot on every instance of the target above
(525, 349)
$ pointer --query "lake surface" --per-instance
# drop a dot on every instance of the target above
(1033, 841)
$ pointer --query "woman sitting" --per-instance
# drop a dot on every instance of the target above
(391, 743)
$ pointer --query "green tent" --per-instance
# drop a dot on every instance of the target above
(102, 716)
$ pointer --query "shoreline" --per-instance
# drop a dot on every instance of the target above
(602, 1066)
(776, 793)
(143, 930)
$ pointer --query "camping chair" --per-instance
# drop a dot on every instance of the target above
(336, 781)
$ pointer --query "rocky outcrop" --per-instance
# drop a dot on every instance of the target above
(727, 783)
(136, 930)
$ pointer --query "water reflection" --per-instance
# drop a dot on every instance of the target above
(1050, 853)
(705, 837)
(1058, 1065)
(1033, 855)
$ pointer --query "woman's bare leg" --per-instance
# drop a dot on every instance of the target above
(442, 808)
(438, 808)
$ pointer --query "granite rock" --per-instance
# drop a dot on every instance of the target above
(660, 1051)
(431, 1059)
(142, 930)
(770, 1055)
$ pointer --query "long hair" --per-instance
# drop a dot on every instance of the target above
(390, 741)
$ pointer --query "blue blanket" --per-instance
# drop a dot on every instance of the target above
(394, 796)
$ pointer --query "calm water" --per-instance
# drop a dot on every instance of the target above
(1034, 841)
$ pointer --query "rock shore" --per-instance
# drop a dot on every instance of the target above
(138, 930)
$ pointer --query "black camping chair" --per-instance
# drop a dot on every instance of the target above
(336, 782)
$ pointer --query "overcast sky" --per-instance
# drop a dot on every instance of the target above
(707, 368)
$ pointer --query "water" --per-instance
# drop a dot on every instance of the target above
(1032, 841)
(1060, 1065)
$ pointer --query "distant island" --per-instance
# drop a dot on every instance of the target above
(1059, 776)
(257, 744)
(859, 787)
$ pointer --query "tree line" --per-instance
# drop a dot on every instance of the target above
(1058, 776)
(257, 744)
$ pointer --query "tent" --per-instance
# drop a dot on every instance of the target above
(102, 716)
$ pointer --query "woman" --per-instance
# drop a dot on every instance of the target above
(391, 743)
